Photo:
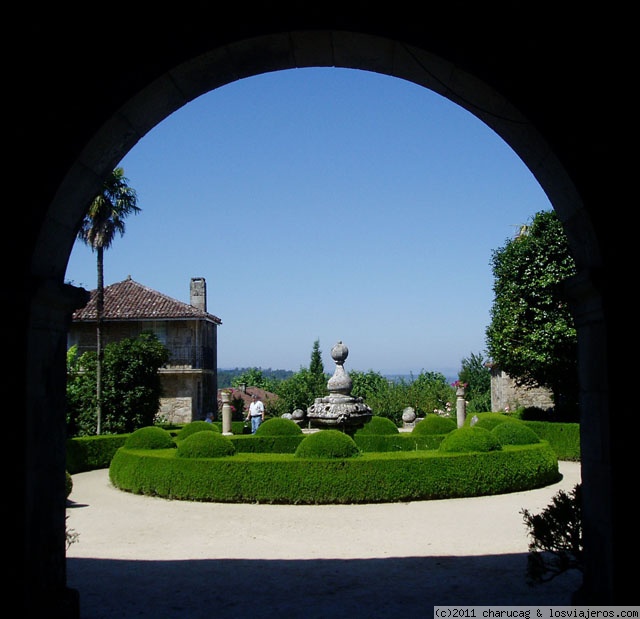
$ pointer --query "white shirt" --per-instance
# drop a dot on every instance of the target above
(256, 409)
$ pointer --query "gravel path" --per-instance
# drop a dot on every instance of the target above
(138, 556)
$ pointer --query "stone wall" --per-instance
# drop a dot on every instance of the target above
(176, 410)
(505, 395)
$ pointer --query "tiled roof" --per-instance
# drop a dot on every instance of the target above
(129, 300)
(245, 396)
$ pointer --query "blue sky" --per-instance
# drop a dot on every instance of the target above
(325, 204)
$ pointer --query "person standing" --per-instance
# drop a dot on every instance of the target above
(256, 412)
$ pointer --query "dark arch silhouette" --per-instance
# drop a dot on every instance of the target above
(88, 91)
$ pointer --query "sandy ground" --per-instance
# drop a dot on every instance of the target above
(139, 556)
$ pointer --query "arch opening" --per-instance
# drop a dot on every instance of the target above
(50, 305)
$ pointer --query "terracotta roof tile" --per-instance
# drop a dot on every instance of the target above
(129, 300)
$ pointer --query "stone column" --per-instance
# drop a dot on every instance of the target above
(461, 406)
(226, 413)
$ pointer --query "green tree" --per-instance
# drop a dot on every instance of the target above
(81, 393)
(316, 369)
(477, 375)
(131, 386)
(301, 389)
(298, 391)
(532, 336)
(254, 377)
(369, 384)
(103, 220)
(427, 392)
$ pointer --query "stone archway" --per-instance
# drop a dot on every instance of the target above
(190, 67)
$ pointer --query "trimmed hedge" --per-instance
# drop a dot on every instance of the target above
(151, 437)
(205, 444)
(488, 421)
(434, 424)
(278, 426)
(565, 437)
(88, 453)
(377, 426)
(196, 426)
(96, 452)
(369, 478)
(515, 433)
(327, 444)
(470, 439)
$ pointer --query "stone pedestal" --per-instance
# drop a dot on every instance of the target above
(226, 413)
(461, 406)
(339, 409)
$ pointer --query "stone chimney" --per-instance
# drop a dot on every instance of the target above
(198, 292)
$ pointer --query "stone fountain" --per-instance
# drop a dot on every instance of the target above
(339, 409)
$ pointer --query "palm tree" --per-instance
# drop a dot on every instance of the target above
(104, 218)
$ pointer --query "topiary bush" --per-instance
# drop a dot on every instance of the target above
(327, 444)
(149, 437)
(470, 439)
(205, 445)
(278, 426)
(379, 426)
(434, 424)
(488, 421)
(515, 433)
(196, 426)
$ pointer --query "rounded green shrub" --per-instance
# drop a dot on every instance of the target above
(434, 424)
(68, 483)
(149, 437)
(205, 445)
(379, 426)
(278, 426)
(515, 433)
(470, 439)
(327, 444)
(196, 426)
(488, 421)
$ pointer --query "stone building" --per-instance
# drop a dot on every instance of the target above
(506, 395)
(190, 377)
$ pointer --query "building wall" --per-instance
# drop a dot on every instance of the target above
(189, 379)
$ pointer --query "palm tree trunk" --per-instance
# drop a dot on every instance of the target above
(99, 347)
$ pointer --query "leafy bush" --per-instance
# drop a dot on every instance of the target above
(151, 437)
(278, 426)
(434, 424)
(196, 426)
(205, 444)
(379, 426)
(556, 537)
(515, 433)
(68, 483)
(470, 439)
(535, 413)
(327, 444)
